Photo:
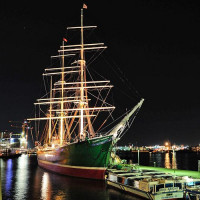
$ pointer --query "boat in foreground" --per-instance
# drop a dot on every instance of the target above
(69, 145)
(192, 192)
(150, 184)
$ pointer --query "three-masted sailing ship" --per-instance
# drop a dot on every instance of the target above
(70, 145)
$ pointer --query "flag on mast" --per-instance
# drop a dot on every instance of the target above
(84, 6)
(64, 39)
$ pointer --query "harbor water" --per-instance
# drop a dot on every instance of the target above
(23, 179)
(171, 160)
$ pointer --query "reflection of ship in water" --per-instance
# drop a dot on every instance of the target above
(23, 179)
(75, 188)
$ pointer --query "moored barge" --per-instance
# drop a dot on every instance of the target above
(149, 184)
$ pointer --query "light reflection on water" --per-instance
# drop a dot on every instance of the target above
(22, 179)
(173, 160)
(167, 161)
(46, 187)
(9, 175)
(22, 175)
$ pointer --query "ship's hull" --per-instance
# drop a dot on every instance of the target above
(75, 171)
(86, 159)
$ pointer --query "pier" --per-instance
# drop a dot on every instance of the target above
(177, 172)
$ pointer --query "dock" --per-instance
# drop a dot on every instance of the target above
(178, 172)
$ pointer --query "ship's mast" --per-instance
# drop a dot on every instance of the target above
(50, 111)
(61, 132)
(82, 66)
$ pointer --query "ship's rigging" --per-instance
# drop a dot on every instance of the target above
(70, 115)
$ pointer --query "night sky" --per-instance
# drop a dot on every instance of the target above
(153, 52)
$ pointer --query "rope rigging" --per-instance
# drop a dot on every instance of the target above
(76, 103)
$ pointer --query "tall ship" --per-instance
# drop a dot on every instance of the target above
(72, 142)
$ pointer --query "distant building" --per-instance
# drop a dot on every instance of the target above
(5, 139)
(10, 140)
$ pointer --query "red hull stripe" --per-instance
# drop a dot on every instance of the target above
(76, 171)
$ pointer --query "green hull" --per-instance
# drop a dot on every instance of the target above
(94, 152)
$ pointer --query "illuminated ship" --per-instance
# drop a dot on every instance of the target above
(70, 145)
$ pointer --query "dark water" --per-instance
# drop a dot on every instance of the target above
(178, 160)
(23, 179)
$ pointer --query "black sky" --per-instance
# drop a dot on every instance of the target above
(153, 45)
